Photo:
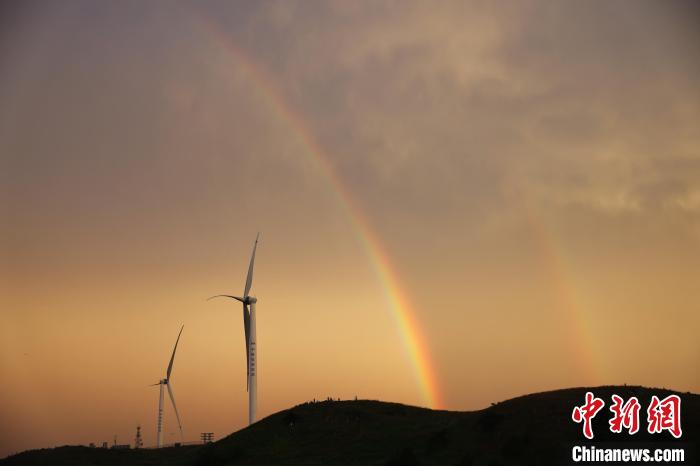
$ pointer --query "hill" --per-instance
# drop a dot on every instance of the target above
(532, 429)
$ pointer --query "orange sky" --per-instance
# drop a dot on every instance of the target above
(530, 173)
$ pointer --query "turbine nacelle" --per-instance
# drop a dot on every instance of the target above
(245, 299)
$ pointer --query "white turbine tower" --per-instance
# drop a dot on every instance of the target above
(249, 328)
(166, 382)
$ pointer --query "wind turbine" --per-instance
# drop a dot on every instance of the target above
(166, 382)
(249, 328)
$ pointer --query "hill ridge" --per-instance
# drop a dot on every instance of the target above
(535, 428)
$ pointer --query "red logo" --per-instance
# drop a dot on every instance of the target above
(587, 412)
(661, 415)
(625, 415)
(665, 415)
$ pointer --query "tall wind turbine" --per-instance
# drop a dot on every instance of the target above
(249, 328)
(166, 382)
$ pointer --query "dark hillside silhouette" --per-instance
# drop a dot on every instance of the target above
(532, 429)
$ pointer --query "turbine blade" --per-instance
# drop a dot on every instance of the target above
(177, 415)
(246, 328)
(225, 296)
(155, 384)
(172, 358)
(249, 278)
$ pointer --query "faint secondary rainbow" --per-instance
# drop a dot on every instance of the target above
(400, 305)
(589, 361)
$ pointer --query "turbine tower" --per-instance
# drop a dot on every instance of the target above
(166, 382)
(249, 329)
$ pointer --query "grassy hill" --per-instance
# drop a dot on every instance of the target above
(532, 429)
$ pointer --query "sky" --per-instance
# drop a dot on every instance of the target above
(459, 203)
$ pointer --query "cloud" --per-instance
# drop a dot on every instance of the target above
(445, 104)
(689, 201)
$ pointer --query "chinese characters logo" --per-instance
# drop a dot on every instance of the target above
(661, 415)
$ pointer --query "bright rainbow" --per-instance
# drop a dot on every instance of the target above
(400, 305)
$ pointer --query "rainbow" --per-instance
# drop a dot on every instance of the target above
(414, 341)
(584, 346)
